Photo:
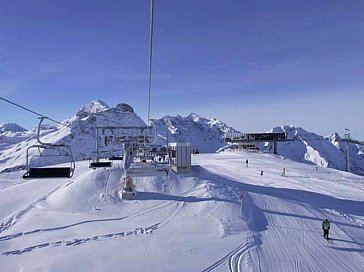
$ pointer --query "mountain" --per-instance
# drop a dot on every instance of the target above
(94, 106)
(206, 135)
(322, 151)
(11, 134)
(11, 127)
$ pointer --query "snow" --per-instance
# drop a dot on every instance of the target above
(190, 222)
(94, 106)
(79, 135)
(206, 135)
(309, 147)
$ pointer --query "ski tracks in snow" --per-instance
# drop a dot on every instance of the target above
(349, 217)
(96, 207)
(12, 220)
(236, 257)
(76, 242)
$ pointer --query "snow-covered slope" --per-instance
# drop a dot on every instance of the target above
(193, 222)
(324, 152)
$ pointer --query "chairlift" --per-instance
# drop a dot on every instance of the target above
(117, 158)
(148, 164)
(48, 150)
(142, 169)
(100, 164)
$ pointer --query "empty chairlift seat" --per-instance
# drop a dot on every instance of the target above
(141, 169)
(99, 164)
(117, 158)
(49, 154)
(62, 153)
(49, 172)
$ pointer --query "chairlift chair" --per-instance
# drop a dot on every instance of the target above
(117, 158)
(100, 164)
(148, 166)
(45, 151)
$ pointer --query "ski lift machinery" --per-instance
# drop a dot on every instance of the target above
(143, 158)
(97, 163)
(45, 151)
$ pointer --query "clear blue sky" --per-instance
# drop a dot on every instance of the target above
(252, 64)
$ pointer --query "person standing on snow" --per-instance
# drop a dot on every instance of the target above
(246, 162)
(326, 228)
(284, 172)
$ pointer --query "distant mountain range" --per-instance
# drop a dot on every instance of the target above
(206, 135)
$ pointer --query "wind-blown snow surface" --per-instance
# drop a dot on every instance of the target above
(188, 222)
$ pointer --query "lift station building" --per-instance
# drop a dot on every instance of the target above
(180, 157)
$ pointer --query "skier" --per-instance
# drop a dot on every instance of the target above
(246, 162)
(241, 196)
(241, 202)
(283, 172)
(326, 228)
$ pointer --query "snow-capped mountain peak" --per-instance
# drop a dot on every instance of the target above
(124, 107)
(11, 127)
(206, 135)
(195, 117)
(94, 106)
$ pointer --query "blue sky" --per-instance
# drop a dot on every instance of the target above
(251, 64)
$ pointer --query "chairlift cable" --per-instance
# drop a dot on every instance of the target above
(36, 113)
(150, 56)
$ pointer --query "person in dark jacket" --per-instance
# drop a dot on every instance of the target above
(326, 228)
(283, 172)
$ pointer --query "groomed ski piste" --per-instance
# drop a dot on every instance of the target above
(190, 222)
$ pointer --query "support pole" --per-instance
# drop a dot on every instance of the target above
(275, 149)
(347, 138)
(97, 145)
(347, 158)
